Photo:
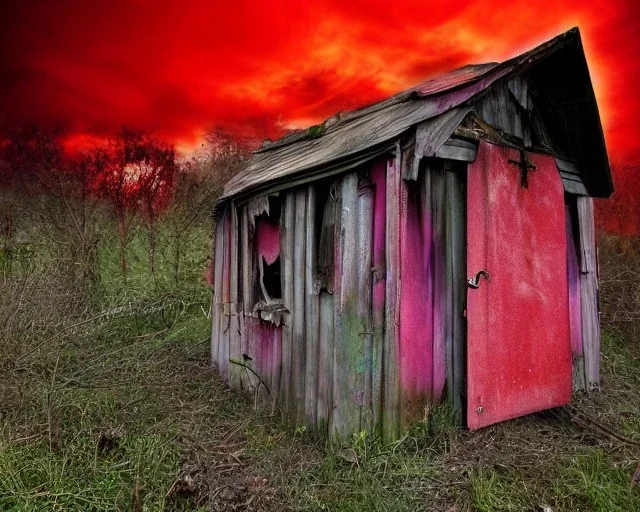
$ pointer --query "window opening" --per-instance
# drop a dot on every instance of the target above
(325, 220)
(268, 252)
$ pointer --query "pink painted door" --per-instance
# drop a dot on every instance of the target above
(518, 345)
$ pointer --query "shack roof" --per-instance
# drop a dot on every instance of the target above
(564, 99)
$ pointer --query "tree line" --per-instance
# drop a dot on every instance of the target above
(133, 180)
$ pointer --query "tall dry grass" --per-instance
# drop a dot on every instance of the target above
(619, 289)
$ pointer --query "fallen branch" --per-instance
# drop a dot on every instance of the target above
(239, 363)
(586, 420)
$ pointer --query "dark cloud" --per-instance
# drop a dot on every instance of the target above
(180, 68)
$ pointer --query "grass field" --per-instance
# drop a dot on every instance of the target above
(120, 410)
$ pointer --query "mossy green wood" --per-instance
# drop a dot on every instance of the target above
(312, 313)
(348, 392)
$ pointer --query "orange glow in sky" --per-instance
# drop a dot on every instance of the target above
(180, 68)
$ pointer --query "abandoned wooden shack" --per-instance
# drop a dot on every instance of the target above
(436, 246)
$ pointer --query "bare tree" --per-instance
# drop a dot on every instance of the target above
(199, 183)
(54, 190)
(137, 178)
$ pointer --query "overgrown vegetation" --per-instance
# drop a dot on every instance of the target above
(108, 400)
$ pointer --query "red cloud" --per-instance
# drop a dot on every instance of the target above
(179, 68)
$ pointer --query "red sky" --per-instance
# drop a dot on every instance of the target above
(179, 68)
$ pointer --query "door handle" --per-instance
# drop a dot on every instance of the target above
(474, 282)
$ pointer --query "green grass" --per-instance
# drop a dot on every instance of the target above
(135, 406)
(124, 412)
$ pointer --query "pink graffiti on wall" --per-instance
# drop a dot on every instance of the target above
(268, 239)
(416, 296)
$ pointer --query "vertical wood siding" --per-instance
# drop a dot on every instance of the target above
(437, 175)
(287, 393)
(432, 294)
(297, 308)
(312, 313)
(373, 352)
(235, 343)
(364, 295)
(573, 282)
(455, 284)
(589, 293)
(225, 313)
(416, 299)
(216, 309)
(384, 337)
(348, 362)
(378, 270)
(390, 365)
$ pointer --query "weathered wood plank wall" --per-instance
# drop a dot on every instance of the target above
(432, 329)
(385, 338)
(225, 316)
(507, 107)
(298, 319)
(374, 352)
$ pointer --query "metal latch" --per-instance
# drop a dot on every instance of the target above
(474, 282)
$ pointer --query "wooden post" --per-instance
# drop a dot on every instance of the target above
(312, 313)
(573, 288)
(589, 293)
(235, 340)
(325, 362)
(225, 315)
(298, 348)
(364, 298)
(348, 392)
(246, 253)
(216, 306)
(379, 179)
(247, 379)
(392, 318)
(288, 278)
(441, 308)
(335, 416)
(455, 257)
